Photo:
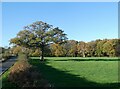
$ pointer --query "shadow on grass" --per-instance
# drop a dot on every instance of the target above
(62, 79)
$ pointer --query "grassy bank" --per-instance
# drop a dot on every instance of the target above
(23, 75)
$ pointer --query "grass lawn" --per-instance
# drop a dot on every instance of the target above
(79, 72)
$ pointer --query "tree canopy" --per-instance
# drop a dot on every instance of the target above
(38, 35)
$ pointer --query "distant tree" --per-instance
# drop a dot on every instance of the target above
(82, 48)
(92, 48)
(70, 48)
(108, 48)
(99, 48)
(117, 47)
(67, 47)
(39, 35)
(73, 48)
(117, 51)
(57, 50)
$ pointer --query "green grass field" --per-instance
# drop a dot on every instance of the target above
(79, 72)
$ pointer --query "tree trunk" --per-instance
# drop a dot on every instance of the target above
(83, 54)
(42, 55)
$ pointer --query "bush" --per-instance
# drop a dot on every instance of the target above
(24, 75)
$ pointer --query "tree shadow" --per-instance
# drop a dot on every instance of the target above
(62, 79)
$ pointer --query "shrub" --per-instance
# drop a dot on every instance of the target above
(24, 75)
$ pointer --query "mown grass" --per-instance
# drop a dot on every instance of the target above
(79, 72)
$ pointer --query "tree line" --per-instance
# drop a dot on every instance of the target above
(5, 53)
(73, 48)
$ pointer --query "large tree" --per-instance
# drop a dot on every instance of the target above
(38, 35)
